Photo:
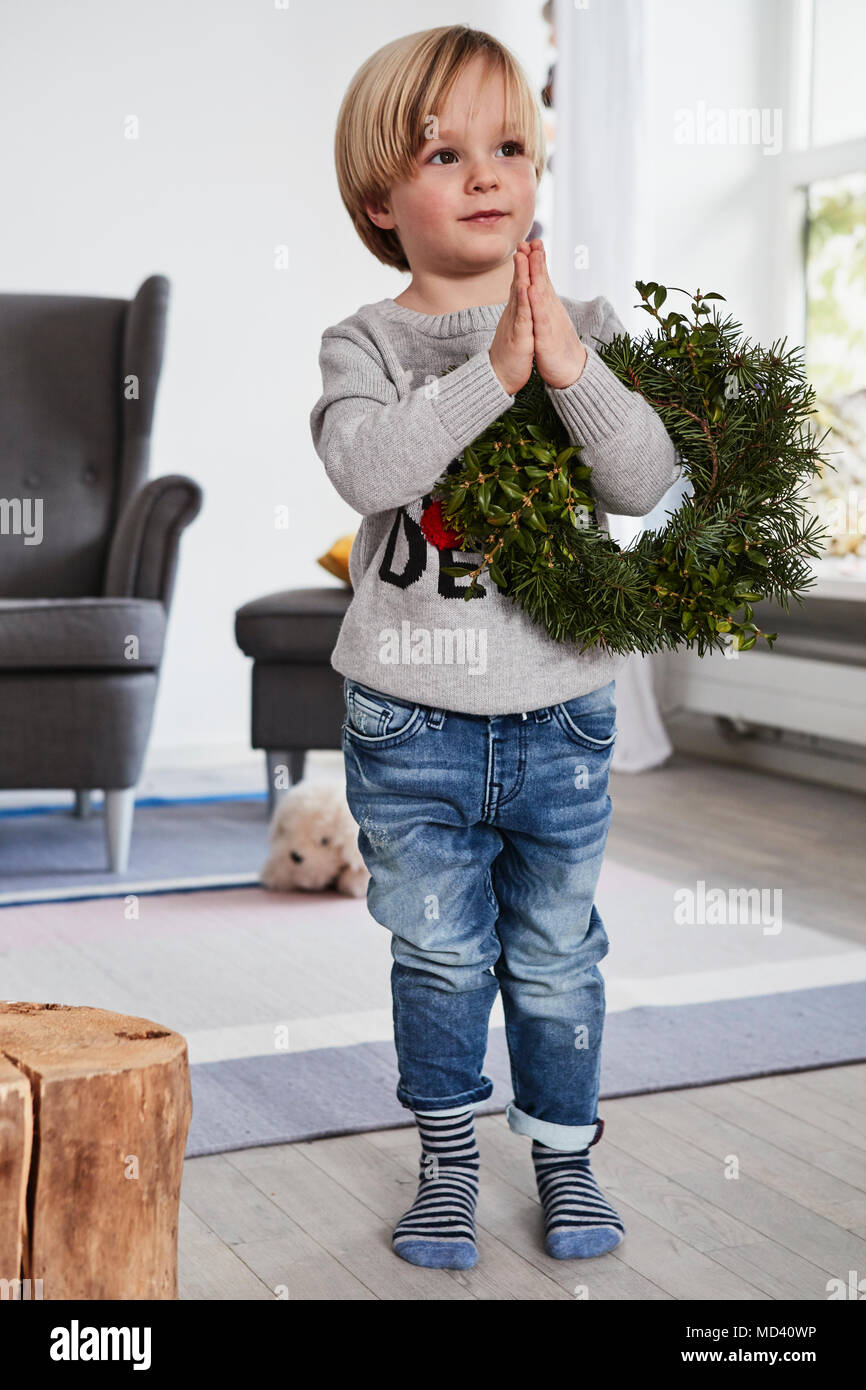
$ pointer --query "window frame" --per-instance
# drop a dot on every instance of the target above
(799, 164)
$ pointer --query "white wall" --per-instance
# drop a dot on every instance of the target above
(237, 104)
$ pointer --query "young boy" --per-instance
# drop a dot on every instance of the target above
(477, 750)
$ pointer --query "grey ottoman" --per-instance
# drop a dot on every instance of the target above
(297, 695)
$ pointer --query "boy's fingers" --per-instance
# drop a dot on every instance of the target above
(523, 305)
(539, 260)
(519, 280)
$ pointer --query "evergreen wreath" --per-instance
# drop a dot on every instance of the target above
(735, 412)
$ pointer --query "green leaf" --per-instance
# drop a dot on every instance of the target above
(559, 488)
(565, 454)
(524, 541)
(515, 493)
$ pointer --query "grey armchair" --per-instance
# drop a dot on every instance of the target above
(88, 547)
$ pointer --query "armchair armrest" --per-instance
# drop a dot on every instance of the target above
(142, 556)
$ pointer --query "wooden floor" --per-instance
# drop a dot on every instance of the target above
(747, 1190)
(313, 1220)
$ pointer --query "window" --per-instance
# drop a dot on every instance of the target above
(824, 179)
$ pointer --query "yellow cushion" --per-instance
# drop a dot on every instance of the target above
(336, 560)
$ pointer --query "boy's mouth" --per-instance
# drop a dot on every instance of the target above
(485, 219)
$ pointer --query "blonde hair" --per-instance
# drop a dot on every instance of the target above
(381, 123)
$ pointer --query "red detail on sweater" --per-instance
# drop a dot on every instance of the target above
(436, 529)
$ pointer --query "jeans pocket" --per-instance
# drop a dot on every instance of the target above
(587, 723)
(373, 717)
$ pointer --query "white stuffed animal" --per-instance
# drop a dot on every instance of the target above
(314, 843)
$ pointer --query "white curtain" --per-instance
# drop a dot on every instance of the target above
(600, 202)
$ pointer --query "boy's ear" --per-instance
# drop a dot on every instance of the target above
(380, 214)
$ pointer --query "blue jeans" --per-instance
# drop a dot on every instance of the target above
(484, 837)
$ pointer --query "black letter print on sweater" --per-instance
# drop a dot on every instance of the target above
(418, 549)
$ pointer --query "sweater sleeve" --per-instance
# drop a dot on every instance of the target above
(632, 456)
(382, 452)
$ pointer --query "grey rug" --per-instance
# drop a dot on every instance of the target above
(178, 844)
(234, 970)
(279, 1099)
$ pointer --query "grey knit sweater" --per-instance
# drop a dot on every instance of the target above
(386, 426)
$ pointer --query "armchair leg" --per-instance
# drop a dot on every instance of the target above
(83, 804)
(278, 761)
(119, 807)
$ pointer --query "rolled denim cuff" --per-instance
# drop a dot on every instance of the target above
(455, 1110)
(459, 1101)
(569, 1138)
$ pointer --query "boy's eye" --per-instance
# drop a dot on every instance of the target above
(506, 144)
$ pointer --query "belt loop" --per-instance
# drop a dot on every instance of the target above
(436, 718)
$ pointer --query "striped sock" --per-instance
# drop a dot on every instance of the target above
(578, 1220)
(438, 1230)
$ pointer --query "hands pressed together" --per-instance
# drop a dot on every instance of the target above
(535, 323)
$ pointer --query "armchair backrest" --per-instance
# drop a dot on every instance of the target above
(78, 381)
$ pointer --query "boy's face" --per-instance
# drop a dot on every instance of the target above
(471, 162)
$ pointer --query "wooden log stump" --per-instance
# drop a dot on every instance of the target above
(94, 1114)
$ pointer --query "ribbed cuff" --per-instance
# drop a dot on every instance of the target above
(470, 398)
(595, 406)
